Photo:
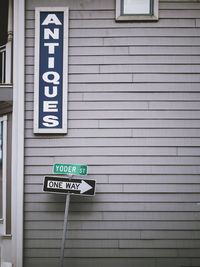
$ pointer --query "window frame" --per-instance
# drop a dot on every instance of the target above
(152, 16)
(4, 120)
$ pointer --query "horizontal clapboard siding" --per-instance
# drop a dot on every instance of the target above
(134, 118)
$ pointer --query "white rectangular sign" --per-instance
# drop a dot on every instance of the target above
(51, 70)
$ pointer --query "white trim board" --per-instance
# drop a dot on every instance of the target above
(18, 134)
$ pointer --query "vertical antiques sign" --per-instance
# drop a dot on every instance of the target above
(51, 67)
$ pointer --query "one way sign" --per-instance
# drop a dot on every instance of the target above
(66, 185)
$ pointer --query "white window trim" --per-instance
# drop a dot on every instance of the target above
(136, 17)
(4, 167)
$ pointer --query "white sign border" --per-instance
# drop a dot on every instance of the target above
(62, 130)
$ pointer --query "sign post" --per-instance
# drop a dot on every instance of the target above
(64, 230)
(68, 185)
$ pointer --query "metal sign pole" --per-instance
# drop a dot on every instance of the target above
(64, 230)
(68, 186)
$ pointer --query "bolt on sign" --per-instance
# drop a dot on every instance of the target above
(70, 169)
(68, 186)
(50, 92)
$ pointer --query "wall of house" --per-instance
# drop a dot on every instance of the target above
(133, 117)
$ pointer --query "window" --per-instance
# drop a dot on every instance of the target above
(127, 10)
(5, 173)
(3, 22)
(3, 38)
(3, 141)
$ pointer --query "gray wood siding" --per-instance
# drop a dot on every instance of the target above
(134, 118)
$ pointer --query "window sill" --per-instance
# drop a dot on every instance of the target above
(129, 18)
(6, 236)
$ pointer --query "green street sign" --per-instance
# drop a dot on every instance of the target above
(70, 169)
